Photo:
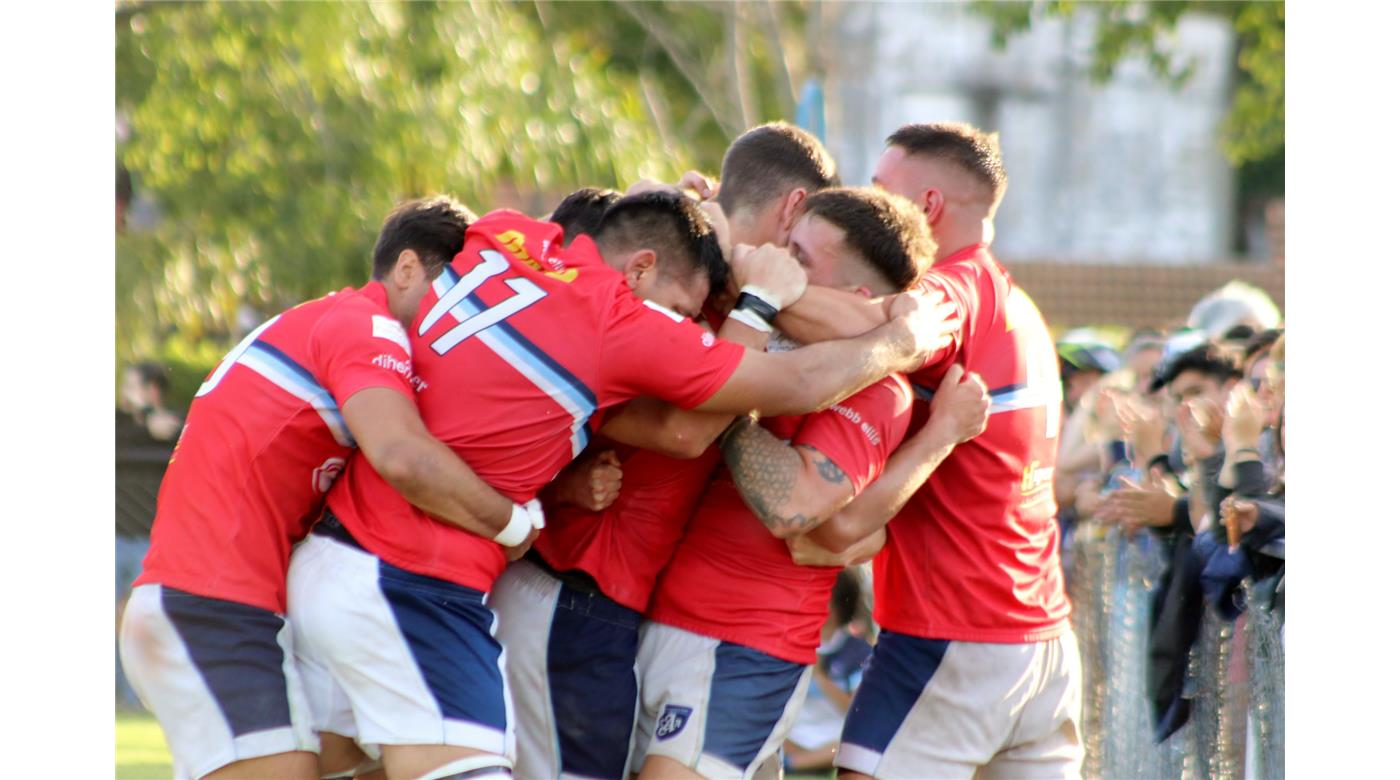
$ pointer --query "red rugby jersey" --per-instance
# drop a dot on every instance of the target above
(521, 342)
(263, 443)
(731, 579)
(974, 555)
(625, 546)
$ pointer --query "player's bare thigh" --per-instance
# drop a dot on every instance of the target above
(297, 765)
(663, 768)
(341, 757)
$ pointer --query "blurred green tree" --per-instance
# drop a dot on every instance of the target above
(273, 138)
(708, 70)
(1253, 130)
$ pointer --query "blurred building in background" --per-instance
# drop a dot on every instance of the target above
(1126, 172)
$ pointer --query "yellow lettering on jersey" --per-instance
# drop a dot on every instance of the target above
(1028, 477)
(514, 241)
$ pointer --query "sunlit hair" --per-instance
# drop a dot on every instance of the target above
(434, 227)
(672, 226)
(886, 230)
(970, 149)
(769, 161)
(581, 211)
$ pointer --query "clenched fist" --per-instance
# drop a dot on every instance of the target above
(592, 482)
(959, 409)
(770, 268)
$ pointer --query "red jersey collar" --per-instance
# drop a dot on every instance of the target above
(375, 291)
(966, 253)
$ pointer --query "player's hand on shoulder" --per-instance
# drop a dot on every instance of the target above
(922, 324)
(960, 406)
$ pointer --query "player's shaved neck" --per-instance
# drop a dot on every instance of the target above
(405, 285)
(962, 219)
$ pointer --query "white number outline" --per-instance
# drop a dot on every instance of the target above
(231, 358)
(527, 293)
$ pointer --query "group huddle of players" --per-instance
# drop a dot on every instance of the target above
(567, 498)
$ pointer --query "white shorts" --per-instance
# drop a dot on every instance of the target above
(218, 675)
(391, 657)
(719, 708)
(571, 666)
(937, 708)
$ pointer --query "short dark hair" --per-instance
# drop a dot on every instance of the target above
(1208, 359)
(972, 150)
(769, 160)
(152, 373)
(671, 225)
(435, 228)
(581, 211)
(888, 231)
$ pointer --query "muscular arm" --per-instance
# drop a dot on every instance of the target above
(908, 469)
(791, 489)
(655, 425)
(959, 413)
(425, 471)
(825, 313)
(817, 376)
(806, 552)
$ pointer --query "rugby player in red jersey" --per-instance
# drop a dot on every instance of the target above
(976, 665)
(204, 640)
(734, 623)
(521, 343)
(587, 580)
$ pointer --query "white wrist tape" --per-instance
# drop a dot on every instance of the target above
(523, 519)
(750, 319)
(762, 294)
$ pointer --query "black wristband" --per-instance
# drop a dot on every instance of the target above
(761, 308)
(1243, 450)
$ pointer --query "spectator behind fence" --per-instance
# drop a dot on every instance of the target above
(812, 743)
(145, 435)
(1237, 303)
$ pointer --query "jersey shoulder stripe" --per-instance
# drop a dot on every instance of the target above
(277, 367)
(533, 363)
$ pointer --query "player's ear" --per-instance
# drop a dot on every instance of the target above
(932, 203)
(639, 264)
(864, 291)
(408, 269)
(790, 210)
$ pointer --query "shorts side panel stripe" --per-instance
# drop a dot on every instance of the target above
(593, 682)
(749, 693)
(244, 674)
(898, 671)
(460, 666)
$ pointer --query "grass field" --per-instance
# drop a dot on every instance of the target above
(141, 753)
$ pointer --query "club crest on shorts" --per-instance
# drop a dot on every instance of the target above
(672, 720)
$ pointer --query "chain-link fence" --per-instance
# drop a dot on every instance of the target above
(1234, 676)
